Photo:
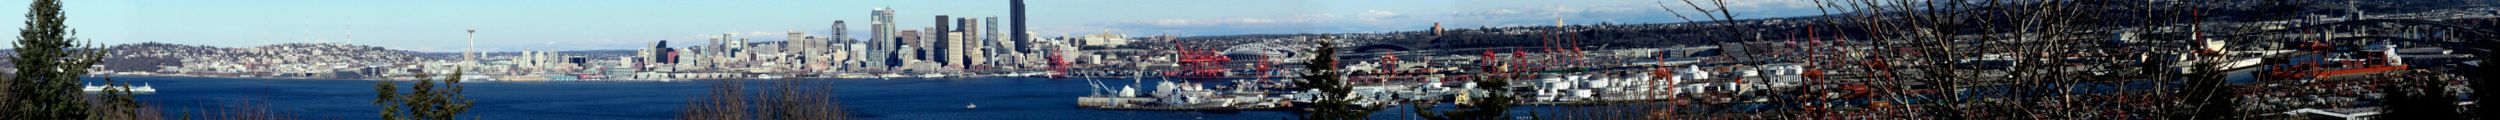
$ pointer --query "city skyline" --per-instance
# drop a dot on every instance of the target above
(615, 25)
(1252, 60)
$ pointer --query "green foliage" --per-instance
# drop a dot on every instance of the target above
(424, 100)
(48, 66)
(1332, 104)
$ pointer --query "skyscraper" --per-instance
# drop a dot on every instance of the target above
(938, 40)
(838, 35)
(990, 27)
(662, 54)
(972, 42)
(971, 28)
(881, 41)
(942, 27)
(911, 38)
(841, 40)
(954, 52)
(999, 47)
(715, 44)
(798, 44)
(1015, 12)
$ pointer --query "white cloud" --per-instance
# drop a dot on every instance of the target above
(755, 35)
(1375, 15)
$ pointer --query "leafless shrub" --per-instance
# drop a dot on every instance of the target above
(779, 100)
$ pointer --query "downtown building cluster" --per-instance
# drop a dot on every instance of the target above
(952, 46)
(949, 46)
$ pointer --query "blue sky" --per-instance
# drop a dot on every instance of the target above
(513, 25)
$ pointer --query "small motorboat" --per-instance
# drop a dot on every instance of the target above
(970, 106)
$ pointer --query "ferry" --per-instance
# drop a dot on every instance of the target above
(768, 76)
(141, 88)
(890, 76)
(476, 78)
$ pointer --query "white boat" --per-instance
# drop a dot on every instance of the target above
(970, 106)
(890, 76)
(768, 76)
(476, 78)
(141, 88)
(932, 75)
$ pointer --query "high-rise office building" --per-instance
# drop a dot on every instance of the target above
(840, 39)
(926, 45)
(641, 56)
(739, 46)
(989, 28)
(797, 43)
(661, 53)
(838, 35)
(938, 39)
(881, 39)
(972, 42)
(954, 52)
(911, 38)
(971, 29)
(715, 45)
(1015, 13)
(795, 51)
(990, 37)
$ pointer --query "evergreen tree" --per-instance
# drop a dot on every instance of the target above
(424, 100)
(48, 66)
(1333, 103)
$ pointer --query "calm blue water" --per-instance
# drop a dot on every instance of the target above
(999, 98)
